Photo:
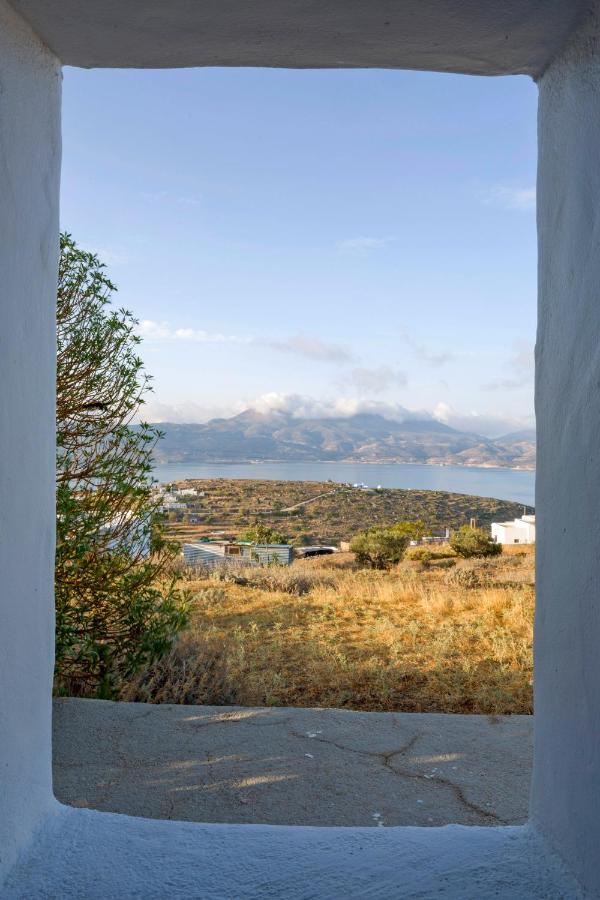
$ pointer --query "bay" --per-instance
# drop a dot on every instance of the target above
(503, 484)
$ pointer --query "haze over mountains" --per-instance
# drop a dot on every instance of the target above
(253, 436)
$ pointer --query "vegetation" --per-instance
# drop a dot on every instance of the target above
(470, 542)
(414, 531)
(323, 632)
(260, 533)
(112, 614)
(379, 548)
(315, 512)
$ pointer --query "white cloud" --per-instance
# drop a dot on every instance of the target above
(311, 348)
(298, 345)
(434, 358)
(522, 199)
(376, 380)
(488, 424)
(520, 370)
(364, 244)
(184, 412)
(162, 331)
(300, 407)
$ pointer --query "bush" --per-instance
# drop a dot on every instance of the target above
(426, 553)
(259, 533)
(473, 542)
(413, 530)
(464, 578)
(117, 605)
(296, 580)
(379, 548)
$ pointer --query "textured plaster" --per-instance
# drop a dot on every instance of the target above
(103, 856)
(566, 790)
(484, 37)
(79, 853)
(29, 178)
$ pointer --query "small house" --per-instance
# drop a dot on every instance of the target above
(519, 531)
(211, 553)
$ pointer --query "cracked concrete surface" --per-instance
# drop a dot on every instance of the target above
(292, 766)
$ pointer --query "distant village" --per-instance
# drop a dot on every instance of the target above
(218, 548)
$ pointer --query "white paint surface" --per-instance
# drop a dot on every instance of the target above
(29, 180)
(485, 37)
(103, 856)
(519, 531)
(566, 789)
(82, 854)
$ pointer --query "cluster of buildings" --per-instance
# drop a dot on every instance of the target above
(172, 500)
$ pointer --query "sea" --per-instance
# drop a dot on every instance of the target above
(503, 484)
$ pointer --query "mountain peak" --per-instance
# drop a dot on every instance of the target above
(277, 436)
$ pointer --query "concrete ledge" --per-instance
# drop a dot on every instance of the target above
(103, 856)
(482, 37)
(292, 766)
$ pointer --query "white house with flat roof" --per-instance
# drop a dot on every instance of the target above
(519, 531)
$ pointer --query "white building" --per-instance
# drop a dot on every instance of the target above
(519, 531)
(173, 506)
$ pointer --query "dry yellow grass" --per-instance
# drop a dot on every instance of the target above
(322, 633)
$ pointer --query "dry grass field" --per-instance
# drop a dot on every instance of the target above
(442, 635)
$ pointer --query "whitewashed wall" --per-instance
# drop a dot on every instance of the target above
(29, 180)
(566, 790)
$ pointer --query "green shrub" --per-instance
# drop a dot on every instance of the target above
(379, 548)
(473, 542)
(414, 531)
(118, 607)
(421, 553)
(259, 533)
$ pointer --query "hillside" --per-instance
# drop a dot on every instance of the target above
(252, 436)
(322, 512)
(450, 636)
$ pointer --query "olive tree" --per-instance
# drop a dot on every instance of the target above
(379, 548)
(413, 530)
(470, 542)
(117, 606)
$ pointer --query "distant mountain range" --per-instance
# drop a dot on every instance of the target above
(279, 437)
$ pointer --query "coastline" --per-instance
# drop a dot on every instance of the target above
(342, 462)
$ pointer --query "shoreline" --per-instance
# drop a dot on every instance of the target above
(343, 462)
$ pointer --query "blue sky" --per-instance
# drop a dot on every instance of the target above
(321, 241)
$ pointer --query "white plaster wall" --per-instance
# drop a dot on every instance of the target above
(566, 791)
(483, 37)
(29, 181)
(566, 787)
